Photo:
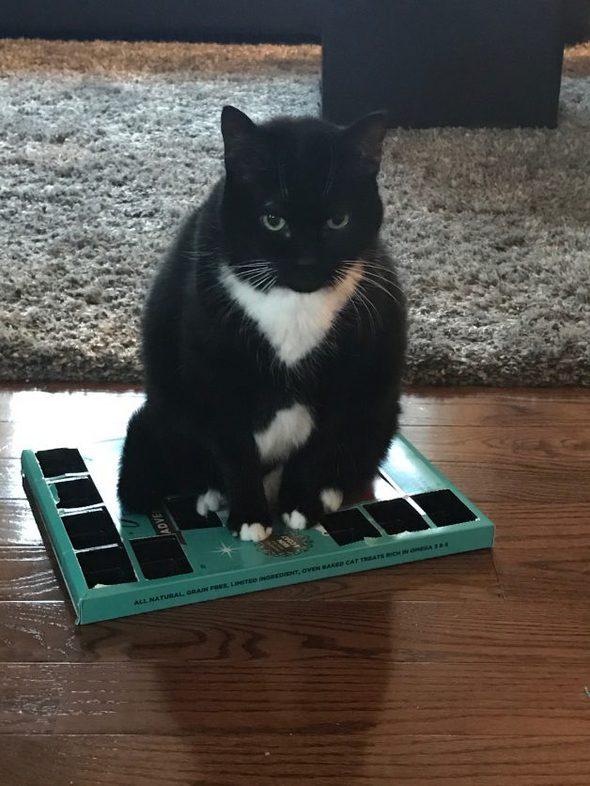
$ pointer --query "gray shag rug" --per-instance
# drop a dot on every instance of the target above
(105, 146)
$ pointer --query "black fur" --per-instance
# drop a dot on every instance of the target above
(212, 379)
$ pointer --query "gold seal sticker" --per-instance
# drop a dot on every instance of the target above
(285, 544)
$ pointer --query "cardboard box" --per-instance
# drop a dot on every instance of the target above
(115, 563)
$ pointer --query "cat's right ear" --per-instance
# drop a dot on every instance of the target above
(240, 139)
(365, 137)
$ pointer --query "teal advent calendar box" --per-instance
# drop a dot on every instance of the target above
(115, 563)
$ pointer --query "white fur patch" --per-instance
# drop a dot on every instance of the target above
(295, 520)
(294, 323)
(288, 430)
(331, 500)
(254, 532)
(211, 500)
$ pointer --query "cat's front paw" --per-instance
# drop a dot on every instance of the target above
(311, 511)
(210, 502)
(331, 499)
(254, 531)
(296, 520)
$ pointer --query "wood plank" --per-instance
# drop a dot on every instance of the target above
(17, 524)
(518, 464)
(369, 757)
(26, 573)
(486, 481)
(19, 402)
(499, 407)
(260, 696)
(530, 447)
(11, 486)
(34, 435)
(561, 573)
(531, 525)
(238, 631)
(483, 392)
(40, 419)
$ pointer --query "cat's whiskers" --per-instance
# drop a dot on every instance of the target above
(383, 288)
(369, 307)
(377, 280)
(260, 279)
(374, 265)
(271, 282)
(248, 273)
(362, 295)
(257, 273)
(370, 271)
(250, 263)
(244, 265)
(340, 279)
(359, 296)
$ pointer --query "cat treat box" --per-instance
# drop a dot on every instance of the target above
(115, 563)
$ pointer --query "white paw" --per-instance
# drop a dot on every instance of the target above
(210, 501)
(295, 520)
(254, 532)
(331, 500)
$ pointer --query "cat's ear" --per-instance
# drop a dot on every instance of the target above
(240, 139)
(236, 127)
(365, 137)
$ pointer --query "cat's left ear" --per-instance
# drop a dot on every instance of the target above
(365, 137)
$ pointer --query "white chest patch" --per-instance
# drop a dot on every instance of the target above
(287, 431)
(294, 323)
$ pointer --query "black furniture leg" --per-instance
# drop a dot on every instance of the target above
(478, 63)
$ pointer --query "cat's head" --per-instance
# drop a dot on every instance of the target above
(300, 197)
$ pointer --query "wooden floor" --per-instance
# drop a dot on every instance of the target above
(472, 669)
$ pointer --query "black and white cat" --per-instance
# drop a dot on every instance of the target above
(274, 333)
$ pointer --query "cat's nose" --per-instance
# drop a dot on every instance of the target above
(306, 261)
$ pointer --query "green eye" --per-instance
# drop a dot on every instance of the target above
(339, 221)
(273, 223)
